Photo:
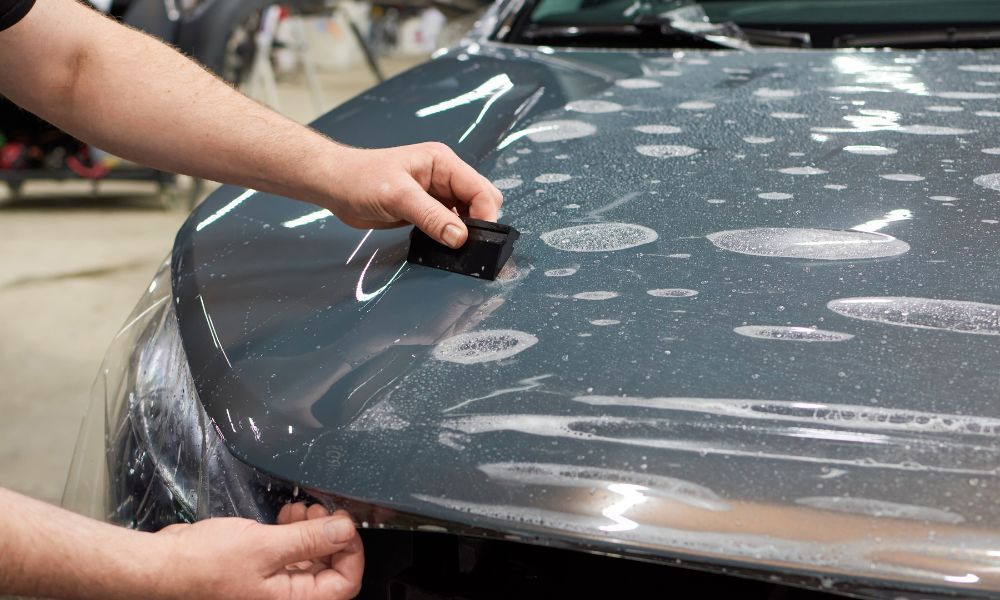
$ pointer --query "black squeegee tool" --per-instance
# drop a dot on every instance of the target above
(483, 254)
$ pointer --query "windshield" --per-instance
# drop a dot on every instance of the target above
(823, 23)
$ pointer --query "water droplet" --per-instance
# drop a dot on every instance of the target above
(638, 84)
(600, 295)
(658, 129)
(923, 313)
(792, 334)
(508, 183)
(990, 181)
(802, 171)
(880, 508)
(552, 178)
(815, 244)
(933, 130)
(604, 322)
(483, 346)
(696, 105)
(672, 293)
(593, 106)
(980, 68)
(870, 150)
(666, 151)
(968, 95)
(901, 177)
(787, 116)
(599, 237)
(775, 94)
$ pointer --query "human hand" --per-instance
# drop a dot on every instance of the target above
(308, 554)
(419, 184)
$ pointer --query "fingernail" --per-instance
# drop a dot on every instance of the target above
(452, 236)
(338, 531)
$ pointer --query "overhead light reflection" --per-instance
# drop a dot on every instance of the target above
(360, 294)
(225, 209)
(866, 121)
(510, 139)
(873, 77)
(361, 243)
(307, 219)
(493, 86)
(632, 495)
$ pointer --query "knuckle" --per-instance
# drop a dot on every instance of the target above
(440, 149)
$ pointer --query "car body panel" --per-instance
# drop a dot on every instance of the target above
(592, 398)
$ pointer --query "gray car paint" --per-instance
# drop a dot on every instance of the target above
(662, 433)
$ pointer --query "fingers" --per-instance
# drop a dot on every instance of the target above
(343, 579)
(317, 511)
(465, 185)
(431, 217)
(309, 539)
(337, 577)
(292, 513)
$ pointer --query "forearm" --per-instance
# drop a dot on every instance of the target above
(50, 552)
(181, 118)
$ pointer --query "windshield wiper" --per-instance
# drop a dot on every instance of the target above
(688, 22)
(952, 36)
(691, 20)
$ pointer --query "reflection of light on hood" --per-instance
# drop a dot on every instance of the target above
(307, 219)
(632, 495)
(900, 214)
(225, 210)
(866, 120)
(360, 294)
(492, 88)
(898, 78)
(211, 328)
(520, 134)
(361, 243)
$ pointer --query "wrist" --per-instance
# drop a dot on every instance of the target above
(335, 176)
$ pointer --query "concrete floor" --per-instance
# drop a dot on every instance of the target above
(71, 269)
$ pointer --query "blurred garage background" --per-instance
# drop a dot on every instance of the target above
(81, 232)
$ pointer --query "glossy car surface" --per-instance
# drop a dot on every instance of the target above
(751, 321)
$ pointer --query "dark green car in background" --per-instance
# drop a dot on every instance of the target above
(746, 347)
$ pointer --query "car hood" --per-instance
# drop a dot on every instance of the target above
(751, 320)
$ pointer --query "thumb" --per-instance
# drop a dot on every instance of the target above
(306, 540)
(432, 217)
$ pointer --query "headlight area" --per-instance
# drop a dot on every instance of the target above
(148, 455)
